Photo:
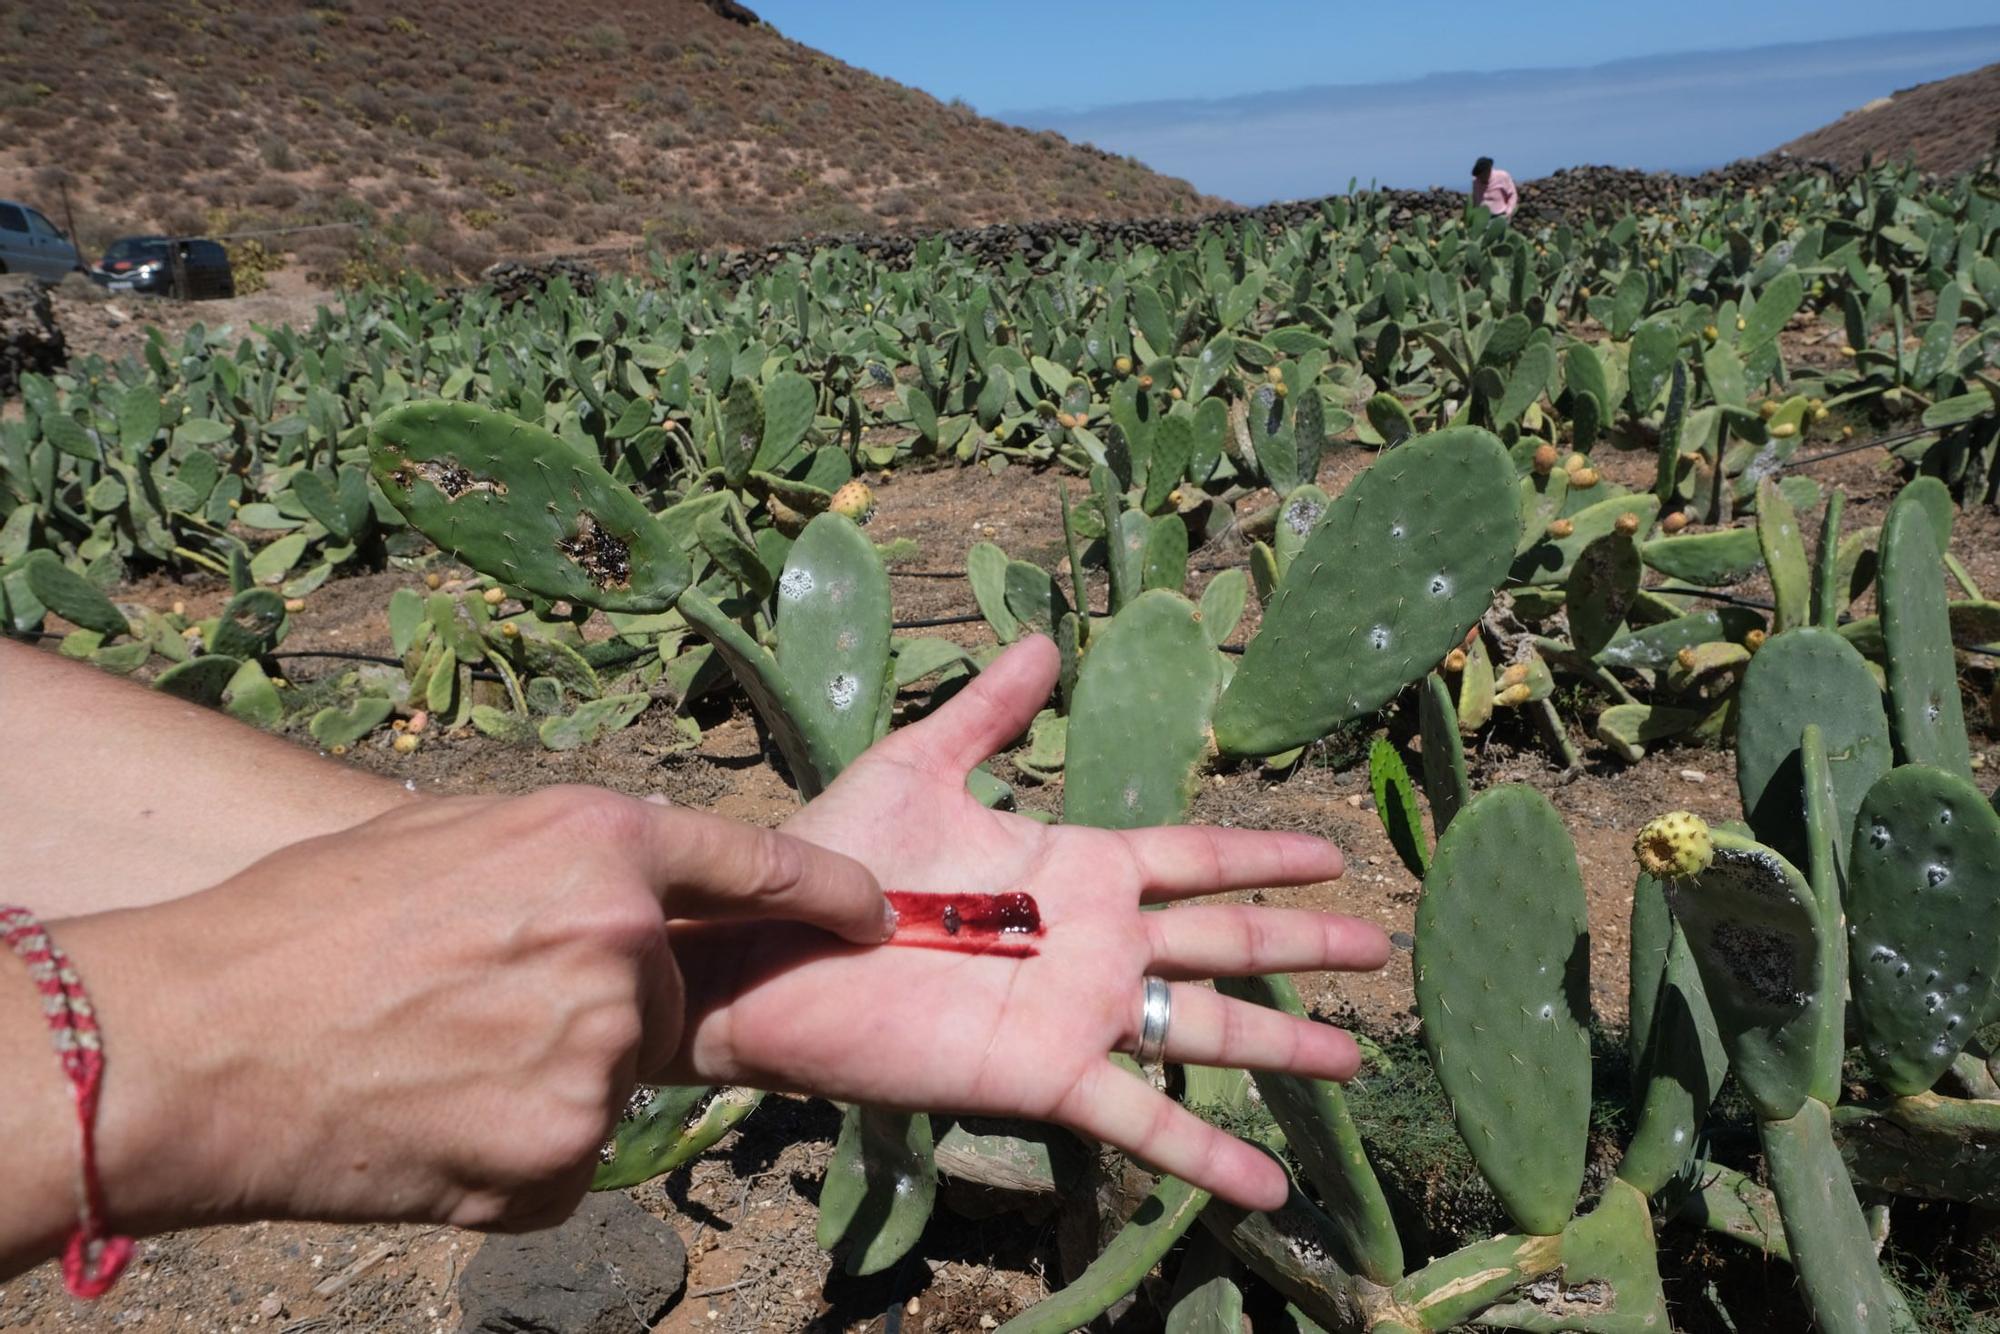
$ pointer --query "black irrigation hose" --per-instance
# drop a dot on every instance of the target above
(961, 574)
(1894, 438)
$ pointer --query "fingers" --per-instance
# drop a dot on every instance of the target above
(1127, 1112)
(706, 867)
(980, 719)
(1207, 1028)
(1230, 940)
(1182, 861)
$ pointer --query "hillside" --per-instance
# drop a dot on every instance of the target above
(1948, 125)
(464, 130)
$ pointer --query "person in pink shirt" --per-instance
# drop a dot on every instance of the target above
(1494, 189)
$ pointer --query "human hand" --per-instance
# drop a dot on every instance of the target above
(918, 1029)
(436, 1015)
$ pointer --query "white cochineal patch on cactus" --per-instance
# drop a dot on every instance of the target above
(842, 689)
(1302, 514)
(795, 584)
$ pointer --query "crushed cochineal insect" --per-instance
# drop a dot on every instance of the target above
(1004, 924)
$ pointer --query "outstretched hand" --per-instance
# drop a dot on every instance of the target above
(778, 1006)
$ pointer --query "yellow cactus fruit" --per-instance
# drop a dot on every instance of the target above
(1754, 640)
(1145, 382)
(1575, 461)
(1454, 661)
(295, 604)
(854, 501)
(494, 596)
(432, 582)
(1710, 332)
(1513, 697)
(1122, 365)
(1785, 430)
(1545, 460)
(1674, 522)
(1768, 409)
(1686, 659)
(1514, 675)
(1675, 846)
(510, 631)
(1583, 478)
(1627, 524)
(1175, 393)
(406, 743)
(1561, 528)
(1274, 375)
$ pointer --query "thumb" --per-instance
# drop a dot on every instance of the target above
(706, 868)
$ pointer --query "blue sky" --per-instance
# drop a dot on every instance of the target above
(1080, 68)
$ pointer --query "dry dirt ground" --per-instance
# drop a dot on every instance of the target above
(746, 1208)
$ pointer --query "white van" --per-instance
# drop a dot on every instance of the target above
(31, 244)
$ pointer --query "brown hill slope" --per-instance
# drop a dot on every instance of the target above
(1949, 125)
(461, 130)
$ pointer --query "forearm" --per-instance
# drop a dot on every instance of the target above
(116, 796)
(151, 1133)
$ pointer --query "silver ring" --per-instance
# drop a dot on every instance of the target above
(1155, 1009)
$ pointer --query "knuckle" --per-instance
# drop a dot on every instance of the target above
(589, 812)
(775, 863)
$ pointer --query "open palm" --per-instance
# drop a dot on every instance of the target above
(782, 1006)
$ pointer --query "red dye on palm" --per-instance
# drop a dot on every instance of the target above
(1004, 924)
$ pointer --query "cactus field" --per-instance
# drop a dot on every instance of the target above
(1613, 590)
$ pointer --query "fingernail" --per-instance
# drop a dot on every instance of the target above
(889, 919)
(657, 799)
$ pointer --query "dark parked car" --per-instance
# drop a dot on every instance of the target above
(187, 267)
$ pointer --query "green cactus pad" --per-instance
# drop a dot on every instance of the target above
(1160, 1220)
(1298, 515)
(1923, 896)
(1752, 927)
(1783, 544)
(1826, 855)
(1829, 592)
(1609, 1282)
(1551, 560)
(1323, 1137)
(833, 634)
(1829, 1239)
(1602, 584)
(879, 1187)
(1806, 676)
(73, 597)
(1502, 980)
(668, 1129)
(1445, 782)
(1396, 572)
(1139, 721)
(518, 505)
(1657, 646)
(1396, 806)
(1712, 560)
(1678, 1069)
(1916, 630)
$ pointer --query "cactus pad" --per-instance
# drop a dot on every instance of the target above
(1139, 721)
(519, 505)
(1753, 930)
(1502, 979)
(1824, 1227)
(1398, 569)
(1806, 676)
(1916, 630)
(1924, 898)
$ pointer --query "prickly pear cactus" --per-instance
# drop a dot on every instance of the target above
(1824, 1227)
(1751, 926)
(517, 504)
(1502, 979)
(1923, 895)
(1396, 571)
(1674, 846)
(1916, 629)
(1806, 676)
(1139, 720)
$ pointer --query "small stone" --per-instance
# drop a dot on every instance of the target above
(1355, 801)
(912, 1306)
(1402, 940)
(1693, 776)
(271, 1307)
(988, 1322)
(610, 1264)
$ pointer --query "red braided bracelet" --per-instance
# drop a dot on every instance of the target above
(93, 1259)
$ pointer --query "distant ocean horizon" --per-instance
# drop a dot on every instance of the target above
(1657, 113)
